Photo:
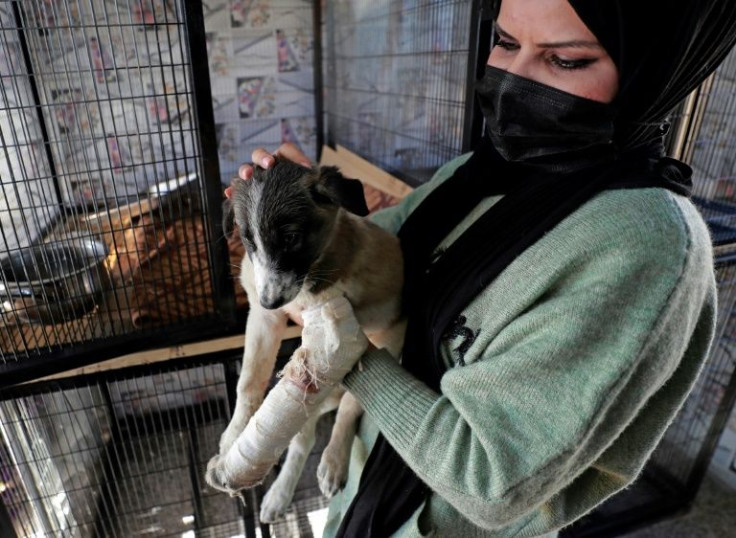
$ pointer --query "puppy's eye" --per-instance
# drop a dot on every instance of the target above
(292, 240)
(248, 241)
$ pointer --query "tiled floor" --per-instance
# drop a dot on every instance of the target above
(713, 516)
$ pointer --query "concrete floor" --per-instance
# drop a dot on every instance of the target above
(713, 516)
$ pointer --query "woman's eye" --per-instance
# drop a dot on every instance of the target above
(507, 45)
(571, 64)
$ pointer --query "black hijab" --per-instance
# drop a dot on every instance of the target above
(663, 50)
(658, 65)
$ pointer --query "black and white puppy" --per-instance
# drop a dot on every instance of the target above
(304, 248)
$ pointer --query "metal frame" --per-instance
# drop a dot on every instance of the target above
(223, 320)
(481, 33)
(36, 99)
(222, 285)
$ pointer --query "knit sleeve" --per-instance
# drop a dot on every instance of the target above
(557, 383)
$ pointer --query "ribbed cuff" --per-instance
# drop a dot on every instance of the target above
(396, 401)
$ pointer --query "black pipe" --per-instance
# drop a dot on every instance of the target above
(37, 100)
(479, 46)
(319, 108)
(222, 285)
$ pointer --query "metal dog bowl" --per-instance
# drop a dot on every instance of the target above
(55, 282)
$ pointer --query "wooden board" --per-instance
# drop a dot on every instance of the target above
(153, 356)
(354, 166)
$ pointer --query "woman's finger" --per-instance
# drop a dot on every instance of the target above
(263, 158)
(245, 171)
(293, 153)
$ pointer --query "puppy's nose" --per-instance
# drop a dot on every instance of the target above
(271, 303)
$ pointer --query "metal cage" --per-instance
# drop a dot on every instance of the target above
(399, 81)
(123, 453)
(110, 193)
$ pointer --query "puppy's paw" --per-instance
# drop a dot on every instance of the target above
(235, 478)
(332, 471)
(216, 476)
(275, 504)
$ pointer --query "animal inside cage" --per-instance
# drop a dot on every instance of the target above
(110, 194)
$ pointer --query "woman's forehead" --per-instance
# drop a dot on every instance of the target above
(543, 21)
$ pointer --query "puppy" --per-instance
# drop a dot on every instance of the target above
(303, 247)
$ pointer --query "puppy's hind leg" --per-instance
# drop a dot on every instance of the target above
(263, 334)
(279, 495)
(333, 466)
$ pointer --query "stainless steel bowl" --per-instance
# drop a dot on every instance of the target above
(54, 282)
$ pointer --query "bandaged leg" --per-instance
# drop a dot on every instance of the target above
(279, 495)
(332, 342)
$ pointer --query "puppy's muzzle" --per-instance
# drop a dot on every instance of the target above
(271, 303)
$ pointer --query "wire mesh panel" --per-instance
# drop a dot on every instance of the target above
(711, 150)
(109, 193)
(396, 80)
(123, 454)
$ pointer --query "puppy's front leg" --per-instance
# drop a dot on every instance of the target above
(279, 495)
(263, 334)
(333, 466)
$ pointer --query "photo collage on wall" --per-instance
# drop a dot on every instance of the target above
(262, 76)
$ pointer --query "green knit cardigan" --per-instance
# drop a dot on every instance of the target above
(563, 374)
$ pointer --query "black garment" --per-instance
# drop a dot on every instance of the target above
(663, 50)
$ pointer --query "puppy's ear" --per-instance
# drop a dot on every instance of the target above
(228, 217)
(332, 186)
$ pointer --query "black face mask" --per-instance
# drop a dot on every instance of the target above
(528, 121)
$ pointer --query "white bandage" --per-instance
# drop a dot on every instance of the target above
(332, 342)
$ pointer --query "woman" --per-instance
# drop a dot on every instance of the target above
(561, 309)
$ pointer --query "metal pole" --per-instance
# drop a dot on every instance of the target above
(318, 84)
(479, 46)
(37, 100)
(222, 286)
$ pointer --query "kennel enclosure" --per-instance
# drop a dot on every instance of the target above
(109, 170)
(113, 131)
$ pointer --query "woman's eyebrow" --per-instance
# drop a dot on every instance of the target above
(575, 43)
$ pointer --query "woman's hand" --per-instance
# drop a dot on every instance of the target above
(264, 159)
